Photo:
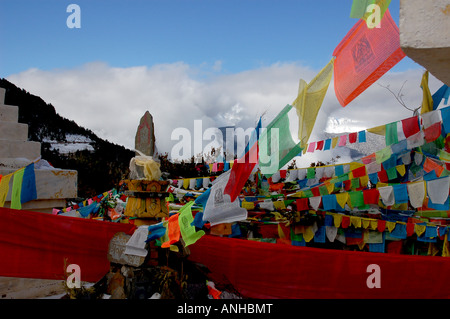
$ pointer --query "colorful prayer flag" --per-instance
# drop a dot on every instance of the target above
(309, 100)
(363, 56)
(278, 139)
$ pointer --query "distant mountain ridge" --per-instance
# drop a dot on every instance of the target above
(100, 164)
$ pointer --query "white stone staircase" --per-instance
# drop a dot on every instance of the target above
(53, 185)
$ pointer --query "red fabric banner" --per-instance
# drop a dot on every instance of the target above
(266, 270)
(35, 245)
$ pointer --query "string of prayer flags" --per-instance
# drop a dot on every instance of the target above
(363, 56)
(309, 100)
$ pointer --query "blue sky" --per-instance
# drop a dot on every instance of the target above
(243, 34)
(224, 62)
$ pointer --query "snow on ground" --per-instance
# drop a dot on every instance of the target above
(71, 144)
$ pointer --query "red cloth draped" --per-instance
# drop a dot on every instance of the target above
(266, 270)
(35, 245)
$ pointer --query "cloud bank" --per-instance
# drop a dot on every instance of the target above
(110, 101)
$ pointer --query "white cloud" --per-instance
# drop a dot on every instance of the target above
(110, 101)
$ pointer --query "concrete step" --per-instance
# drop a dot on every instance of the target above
(13, 131)
(9, 113)
(2, 96)
(29, 288)
(50, 184)
(26, 149)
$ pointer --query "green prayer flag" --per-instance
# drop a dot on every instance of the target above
(308, 193)
(323, 190)
(383, 155)
(276, 146)
(355, 183)
(391, 173)
(391, 134)
(187, 230)
(357, 198)
(17, 189)
(310, 173)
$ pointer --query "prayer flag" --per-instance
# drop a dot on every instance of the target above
(4, 188)
(391, 134)
(363, 56)
(17, 189)
(276, 146)
(219, 208)
(309, 101)
(243, 167)
(187, 230)
(427, 99)
(410, 126)
(442, 93)
(362, 136)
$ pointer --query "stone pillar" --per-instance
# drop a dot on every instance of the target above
(145, 135)
(53, 185)
(424, 35)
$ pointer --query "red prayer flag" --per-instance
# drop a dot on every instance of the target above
(302, 204)
(365, 55)
(410, 126)
(359, 172)
(319, 145)
(371, 196)
(433, 132)
(352, 137)
(381, 225)
(382, 176)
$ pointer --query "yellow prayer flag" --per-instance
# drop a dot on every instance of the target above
(308, 234)
(379, 130)
(186, 182)
(334, 141)
(363, 181)
(445, 247)
(248, 205)
(355, 221)
(365, 223)
(401, 169)
(337, 219)
(309, 100)
(279, 204)
(342, 198)
(419, 229)
(330, 187)
(427, 100)
(390, 226)
(374, 224)
(4, 188)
